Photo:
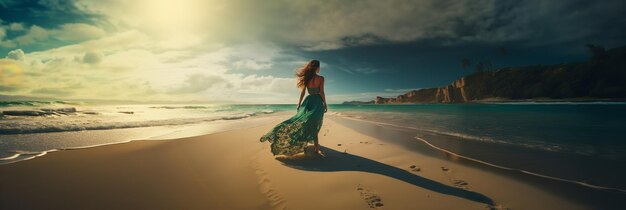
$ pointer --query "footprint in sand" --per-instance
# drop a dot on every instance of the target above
(415, 168)
(265, 185)
(464, 185)
(460, 183)
(372, 199)
(453, 180)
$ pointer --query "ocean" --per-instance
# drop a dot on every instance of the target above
(30, 129)
(577, 142)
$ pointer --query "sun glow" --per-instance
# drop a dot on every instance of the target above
(170, 15)
(175, 20)
(10, 72)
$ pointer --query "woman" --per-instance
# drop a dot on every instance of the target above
(292, 136)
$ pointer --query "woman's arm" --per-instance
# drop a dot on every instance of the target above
(323, 94)
(301, 95)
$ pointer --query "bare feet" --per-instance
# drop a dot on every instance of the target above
(317, 149)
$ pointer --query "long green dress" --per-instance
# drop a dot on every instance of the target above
(291, 136)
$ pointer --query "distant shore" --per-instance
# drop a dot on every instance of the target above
(507, 100)
(597, 79)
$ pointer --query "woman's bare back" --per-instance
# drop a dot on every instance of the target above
(315, 82)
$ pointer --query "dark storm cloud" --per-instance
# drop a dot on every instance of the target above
(558, 22)
(45, 13)
(322, 25)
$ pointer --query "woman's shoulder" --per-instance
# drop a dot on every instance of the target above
(318, 79)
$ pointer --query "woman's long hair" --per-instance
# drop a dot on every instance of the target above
(305, 73)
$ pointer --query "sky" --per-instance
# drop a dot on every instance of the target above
(245, 51)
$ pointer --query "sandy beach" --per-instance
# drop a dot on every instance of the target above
(233, 170)
(415, 104)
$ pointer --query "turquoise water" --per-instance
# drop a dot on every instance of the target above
(575, 141)
(582, 128)
(580, 142)
(589, 129)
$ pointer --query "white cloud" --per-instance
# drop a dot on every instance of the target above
(92, 58)
(265, 84)
(112, 43)
(196, 83)
(366, 70)
(34, 34)
(7, 44)
(323, 45)
(16, 27)
(132, 66)
(3, 32)
(77, 32)
(17, 55)
(71, 32)
(253, 64)
(253, 56)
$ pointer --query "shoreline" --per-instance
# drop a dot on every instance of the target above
(617, 190)
(174, 134)
(572, 190)
(504, 100)
(476, 160)
(231, 169)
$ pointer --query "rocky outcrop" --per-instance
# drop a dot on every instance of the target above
(453, 93)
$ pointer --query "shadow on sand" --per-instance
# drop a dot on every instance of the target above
(334, 160)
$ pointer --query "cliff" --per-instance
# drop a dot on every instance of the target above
(599, 78)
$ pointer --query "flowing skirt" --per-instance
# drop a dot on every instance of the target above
(291, 136)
